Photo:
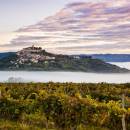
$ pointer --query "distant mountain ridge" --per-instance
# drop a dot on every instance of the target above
(6, 54)
(35, 58)
(113, 57)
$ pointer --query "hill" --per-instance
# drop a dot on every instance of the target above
(35, 58)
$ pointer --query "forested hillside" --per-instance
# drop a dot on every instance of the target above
(64, 106)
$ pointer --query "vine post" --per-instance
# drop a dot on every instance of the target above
(123, 117)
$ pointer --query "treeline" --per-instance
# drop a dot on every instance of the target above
(64, 106)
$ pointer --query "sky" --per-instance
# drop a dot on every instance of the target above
(66, 26)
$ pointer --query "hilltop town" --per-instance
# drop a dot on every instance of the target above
(33, 54)
(36, 58)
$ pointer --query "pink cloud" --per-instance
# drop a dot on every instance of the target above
(108, 20)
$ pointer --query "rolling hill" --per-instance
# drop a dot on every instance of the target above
(35, 58)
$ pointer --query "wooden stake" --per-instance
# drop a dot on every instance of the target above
(123, 117)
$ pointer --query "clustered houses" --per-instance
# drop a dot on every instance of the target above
(32, 54)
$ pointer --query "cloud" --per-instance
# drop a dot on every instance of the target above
(81, 27)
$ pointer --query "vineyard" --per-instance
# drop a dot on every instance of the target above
(64, 106)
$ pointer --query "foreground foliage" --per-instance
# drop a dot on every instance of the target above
(63, 106)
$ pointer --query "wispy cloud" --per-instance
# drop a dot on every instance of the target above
(82, 27)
